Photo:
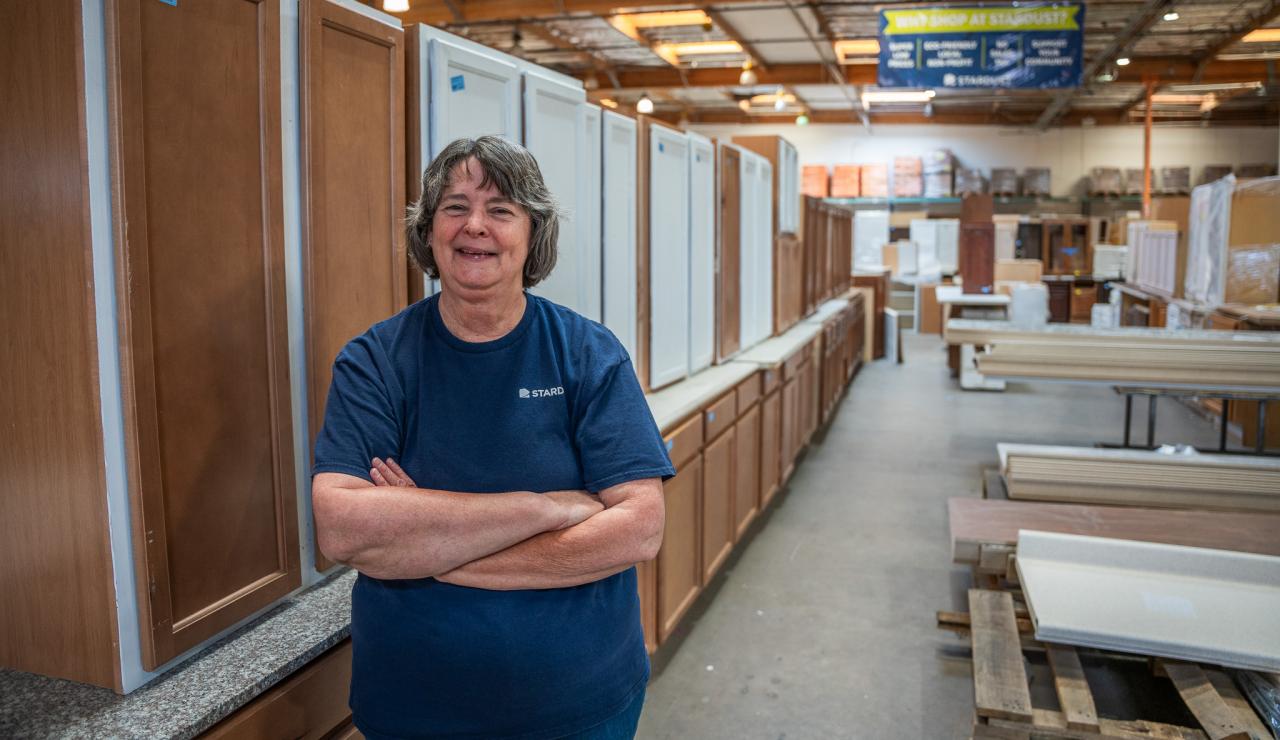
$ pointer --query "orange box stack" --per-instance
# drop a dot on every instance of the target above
(844, 183)
(875, 180)
(813, 180)
(908, 177)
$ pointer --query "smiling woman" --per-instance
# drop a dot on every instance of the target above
(489, 464)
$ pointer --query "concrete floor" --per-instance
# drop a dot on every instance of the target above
(822, 626)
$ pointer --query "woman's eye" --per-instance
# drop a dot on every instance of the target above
(501, 211)
(455, 209)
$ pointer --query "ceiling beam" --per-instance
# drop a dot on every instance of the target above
(1268, 13)
(436, 12)
(1146, 15)
(1259, 117)
(718, 18)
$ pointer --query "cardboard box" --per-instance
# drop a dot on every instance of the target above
(813, 181)
(1019, 271)
(874, 180)
(1253, 274)
(845, 181)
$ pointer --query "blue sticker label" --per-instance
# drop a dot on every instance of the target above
(457, 83)
(662, 147)
(711, 416)
(172, 3)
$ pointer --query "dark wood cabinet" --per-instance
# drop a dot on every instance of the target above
(1059, 301)
(1026, 245)
(202, 312)
(1067, 247)
(880, 284)
(978, 257)
(729, 273)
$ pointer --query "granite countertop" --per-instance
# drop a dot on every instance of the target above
(191, 698)
(677, 402)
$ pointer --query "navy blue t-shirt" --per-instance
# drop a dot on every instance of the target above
(552, 405)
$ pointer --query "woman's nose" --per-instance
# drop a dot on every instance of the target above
(475, 223)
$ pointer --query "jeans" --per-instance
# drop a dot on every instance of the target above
(621, 726)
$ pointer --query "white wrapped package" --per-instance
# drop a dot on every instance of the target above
(1209, 225)
(1029, 305)
(870, 234)
(1106, 315)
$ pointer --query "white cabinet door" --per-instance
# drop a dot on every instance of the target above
(750, 263)
(668, 256)
(590, 290)
(949, 244)
(472, 94)
(619, 228)
(553, 134)
(788, 187)
(763, 304)
(702, 250)
(870, 234)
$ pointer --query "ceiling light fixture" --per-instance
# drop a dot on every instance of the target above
(847, 48)
(780, 99)
(609, 103)
(1262, 35)
(644, 104)
(1123, 61)
(395, 6)
(744, 105)
(896, 96)
(692, 48)
(630, 24)
(802, 119)
(748, 76)
(1172, 15)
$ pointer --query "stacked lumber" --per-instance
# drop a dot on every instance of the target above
(984, 524)
(1141, 478)
(1124, 356)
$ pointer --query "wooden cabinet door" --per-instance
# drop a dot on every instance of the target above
(202, 309)
(717, 503)
(746, 465)
(770, 447)
(679, 566)
(790, 426)
(647, 583)
(353, 186)
(729, 279)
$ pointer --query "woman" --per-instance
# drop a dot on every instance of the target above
(497, 593)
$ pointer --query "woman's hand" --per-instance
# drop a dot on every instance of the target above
(388, 473)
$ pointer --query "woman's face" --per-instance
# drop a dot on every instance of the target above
(479, 237)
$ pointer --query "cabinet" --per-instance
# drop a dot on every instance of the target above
(790, 412)
(746, 466)
(771, 441)
(587, 218)
(784, 183)
(309, 705)
(668, 246)
(1068, 248)
(702, 246)
(729, 251)
(679, 565)
(618, 227)
(978, 256)
(717, 502)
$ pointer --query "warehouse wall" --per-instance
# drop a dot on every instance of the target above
(1070, 152)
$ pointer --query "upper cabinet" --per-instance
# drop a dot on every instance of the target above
(618, 229)
(668, 216)
(785, 186)
(702, 248)
(587, 218)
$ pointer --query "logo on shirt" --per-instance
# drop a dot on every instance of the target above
(542, 392)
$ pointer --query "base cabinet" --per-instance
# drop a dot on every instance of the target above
(679, 564)
(746, 466)
(771, 449)
(309, 705)
(718, 488)
(647, 583)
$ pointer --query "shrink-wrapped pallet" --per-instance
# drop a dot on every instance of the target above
(1036, 182)
(1133, 181)
(1214, 172)
(813, 180)
(1106, 181)
(1109, 261)
(1004, 181)
(1175, 180)
(969, 180)
(1210, 224)
(939, 160)
(1256, 170)
(1253, 275)
(845, 181)
(938, 185)
(874, 179)
(908, 177)
(1029, 305)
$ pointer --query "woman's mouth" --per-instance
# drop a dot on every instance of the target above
(471, 253)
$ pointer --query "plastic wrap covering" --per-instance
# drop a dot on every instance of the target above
(1263, 691)
(1105, 315)
(875, 180)
(1253, 274)
(1214, 172)
(813, 180)
(1209, 224)
(845, 181)
(939, 160)
(870, 232)
(1175, 180)
(938, 185)
(1035, 181)
(970, 180)
(1106, 180)
(1004, 181)
(908, 177)
(1029, 305)
(1256, 170)
(1109, 261)
(1133, 181)
(1157, 257)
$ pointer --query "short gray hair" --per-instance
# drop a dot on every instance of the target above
(515, 172)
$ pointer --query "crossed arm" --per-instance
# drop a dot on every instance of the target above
(501, 541)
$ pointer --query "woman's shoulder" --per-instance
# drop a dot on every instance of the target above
(579, 331)
(392, 333)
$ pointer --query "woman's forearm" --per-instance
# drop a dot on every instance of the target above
(394, 532)
(617, 538)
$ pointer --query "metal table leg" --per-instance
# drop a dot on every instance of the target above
(1260, 444)
(1222, 431)
(1128, 416)
(1151, 421)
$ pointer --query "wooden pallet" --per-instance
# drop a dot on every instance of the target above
(1185, 700)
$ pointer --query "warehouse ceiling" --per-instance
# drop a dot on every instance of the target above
(1208, 62)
